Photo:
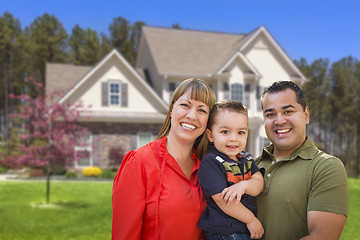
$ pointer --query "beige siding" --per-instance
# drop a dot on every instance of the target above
(90, 92)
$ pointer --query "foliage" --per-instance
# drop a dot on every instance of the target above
(116, 155)
(107, 173)
(333, 95)
(91, 172)
(11, 70)
(3, 169)
(70, 174)
(46, 42)
(50, 132)
(79, 210)
(125, 37)
(85, 46)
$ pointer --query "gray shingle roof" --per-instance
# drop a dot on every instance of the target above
(63, 76)
(192, 52)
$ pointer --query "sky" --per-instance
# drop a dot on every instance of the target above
(309, 29)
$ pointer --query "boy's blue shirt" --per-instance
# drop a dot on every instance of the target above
(217, 171)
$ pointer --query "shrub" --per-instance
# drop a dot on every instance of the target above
(107, 173)
(3, 169)
(116, 154)
(91, 172)
(70, 174)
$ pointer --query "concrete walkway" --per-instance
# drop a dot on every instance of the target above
(8, 176)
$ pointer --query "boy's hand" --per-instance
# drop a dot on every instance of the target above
(255, 228)
(235, 190)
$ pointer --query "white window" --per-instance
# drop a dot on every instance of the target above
(84, 152)
(114, 93)
(144, 138)
(237, 91)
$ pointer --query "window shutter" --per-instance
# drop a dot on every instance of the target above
(124, 95)
(226, 89)
(104, 94)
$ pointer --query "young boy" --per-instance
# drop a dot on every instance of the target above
(227, 172)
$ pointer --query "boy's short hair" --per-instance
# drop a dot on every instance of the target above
(229, 105)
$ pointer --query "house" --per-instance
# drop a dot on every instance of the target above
(130, 104)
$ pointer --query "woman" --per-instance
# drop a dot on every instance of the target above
(156, 193)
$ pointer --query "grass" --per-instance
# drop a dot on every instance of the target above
(352, 225)
(79, 210)
(82, 210)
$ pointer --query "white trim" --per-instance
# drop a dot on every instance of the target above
(88, 148)
(244, 60)
(262, 29)
(118, 82)
(131, 69)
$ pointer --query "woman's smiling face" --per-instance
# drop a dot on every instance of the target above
(188, 118)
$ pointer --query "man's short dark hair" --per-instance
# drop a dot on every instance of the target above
(282, 86)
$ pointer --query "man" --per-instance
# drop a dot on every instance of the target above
(306, 193)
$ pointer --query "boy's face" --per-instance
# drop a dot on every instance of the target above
(229, 132)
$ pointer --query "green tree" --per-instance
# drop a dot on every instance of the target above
(105, 45)
(357, 117)
(125, 37)
(316, 89)
(47, 42)
(341, 97)
(11, 69)
(85, 46)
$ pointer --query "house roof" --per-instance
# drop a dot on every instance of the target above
(201, 53)
(63, 76)
(178, 51)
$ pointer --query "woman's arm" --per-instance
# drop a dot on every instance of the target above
(128, 200)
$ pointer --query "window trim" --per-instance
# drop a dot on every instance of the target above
(138, 144)
(89, 148)
(118, 82)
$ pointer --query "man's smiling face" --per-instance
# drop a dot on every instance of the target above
(285, 121)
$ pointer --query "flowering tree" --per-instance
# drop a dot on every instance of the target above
(50, 132)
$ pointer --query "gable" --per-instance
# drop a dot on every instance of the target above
(270, 59)
(136, 100)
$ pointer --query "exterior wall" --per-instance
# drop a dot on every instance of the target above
(108, 135)
(145, 61)
(90, 91)
(272, 68)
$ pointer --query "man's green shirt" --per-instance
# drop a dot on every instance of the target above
(307, 180)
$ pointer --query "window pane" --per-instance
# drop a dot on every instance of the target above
(83, 158)
(114, 100)
(114, 88)
(144, 138)
(237, 92)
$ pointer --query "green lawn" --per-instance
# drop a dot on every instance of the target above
(83, 211)
(353, 221)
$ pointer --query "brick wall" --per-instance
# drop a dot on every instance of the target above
(108, 135)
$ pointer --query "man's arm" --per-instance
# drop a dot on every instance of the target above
(324, 225)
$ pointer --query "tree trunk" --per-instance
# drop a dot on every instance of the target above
(48, 185)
